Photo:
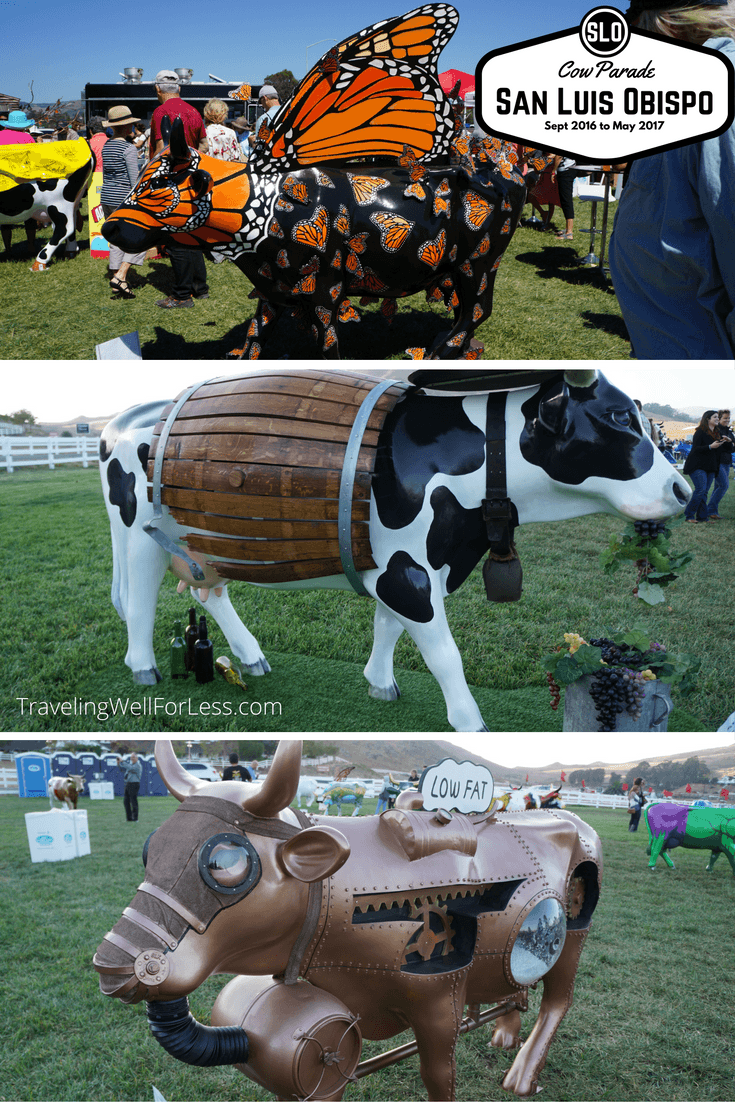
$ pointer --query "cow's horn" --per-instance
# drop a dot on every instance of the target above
(178, 781)
(280, 785)
(583, 378)
(177, 143)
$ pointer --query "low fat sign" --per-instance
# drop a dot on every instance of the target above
(605, 92)
(457, 786)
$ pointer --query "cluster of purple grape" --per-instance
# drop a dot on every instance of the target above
(615, 654)
(614, 692)
(649, 529)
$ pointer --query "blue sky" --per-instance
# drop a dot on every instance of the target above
(61, 49)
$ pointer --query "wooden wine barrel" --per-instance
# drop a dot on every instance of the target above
(255, 462)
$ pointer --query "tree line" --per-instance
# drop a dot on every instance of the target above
(667, 774)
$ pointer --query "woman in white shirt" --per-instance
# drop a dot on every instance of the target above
(223, 142)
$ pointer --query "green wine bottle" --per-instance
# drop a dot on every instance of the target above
(178, 653)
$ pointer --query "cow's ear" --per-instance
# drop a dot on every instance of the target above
(314, 853)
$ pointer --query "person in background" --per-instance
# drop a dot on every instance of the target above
(242, 129)
(119, 174)
(65, 133)
(270, 105)
(671, 252)
(702, 464)
(636, 800)
(14, 131)
(234, 771)
(222, 141)
(388, 794)
(97, 139)
(132, 775)
(189, 269)
(722, 476)
(563, 173)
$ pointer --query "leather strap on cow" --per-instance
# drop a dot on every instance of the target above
(151, 526)
(268, 828)
(347, 482)
(501, 571)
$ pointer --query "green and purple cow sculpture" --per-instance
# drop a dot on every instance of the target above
(672, 825)
(351, 795)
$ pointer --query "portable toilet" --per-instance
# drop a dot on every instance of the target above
(90, 767)
(63, 762)
(152, 778)
(112, 772)
(34, 773)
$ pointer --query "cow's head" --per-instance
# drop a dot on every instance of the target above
(198, 200)
(584, 432)
(226, 884)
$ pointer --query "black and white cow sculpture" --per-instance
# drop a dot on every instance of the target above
(55, 199)
(574, 445)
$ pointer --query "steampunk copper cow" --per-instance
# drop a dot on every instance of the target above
(364, 185)
(406, 918)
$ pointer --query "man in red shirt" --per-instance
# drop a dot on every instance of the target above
(190, 273)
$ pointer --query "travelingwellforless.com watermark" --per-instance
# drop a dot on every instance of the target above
(153, 706)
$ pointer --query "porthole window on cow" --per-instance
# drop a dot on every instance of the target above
(229, 864)
(145, 848)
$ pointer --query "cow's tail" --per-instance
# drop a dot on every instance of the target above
(183, 1037)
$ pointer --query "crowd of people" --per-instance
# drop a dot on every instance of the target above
(122, 145)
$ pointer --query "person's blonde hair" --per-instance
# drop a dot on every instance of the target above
(694, 23)
(215, 110)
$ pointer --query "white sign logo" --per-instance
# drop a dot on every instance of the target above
(605, 92)
(457, 786)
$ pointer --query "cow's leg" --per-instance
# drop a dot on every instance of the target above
(322, 316)
(62, 217)
(522, 1079)
(145, 566)
(435, 1021)
(387, 631)
(260, 329)
(506, 1034)
(474, 281)
(441, 655)
(714, 854)
(658, 850)
(242, 643)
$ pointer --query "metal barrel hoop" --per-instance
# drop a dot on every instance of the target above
(151, 527)
(347, 482)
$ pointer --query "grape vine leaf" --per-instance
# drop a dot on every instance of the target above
(651, 594)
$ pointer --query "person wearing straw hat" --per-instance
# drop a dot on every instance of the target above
(14, 131)
(241, 126)
(671, 252)
(119, 174)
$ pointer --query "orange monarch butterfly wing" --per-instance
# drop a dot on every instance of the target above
(313, 231)
(431, 252)
(365, 188)
(414, 191)
(296, 190)
(342, 220)
(394, 229)
(373, 93)
(476, 209)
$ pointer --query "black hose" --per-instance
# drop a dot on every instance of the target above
(182, 1036)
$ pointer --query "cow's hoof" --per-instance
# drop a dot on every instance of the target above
(257, 669)
(391, 692)
(36, 266)
(147, 677)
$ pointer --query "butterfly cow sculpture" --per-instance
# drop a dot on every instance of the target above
(350, 191)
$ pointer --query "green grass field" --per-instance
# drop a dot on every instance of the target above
(546, 307)
(652, 1016)
(63, 643)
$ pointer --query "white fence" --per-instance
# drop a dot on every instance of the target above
(8, 782)
(47, 451)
